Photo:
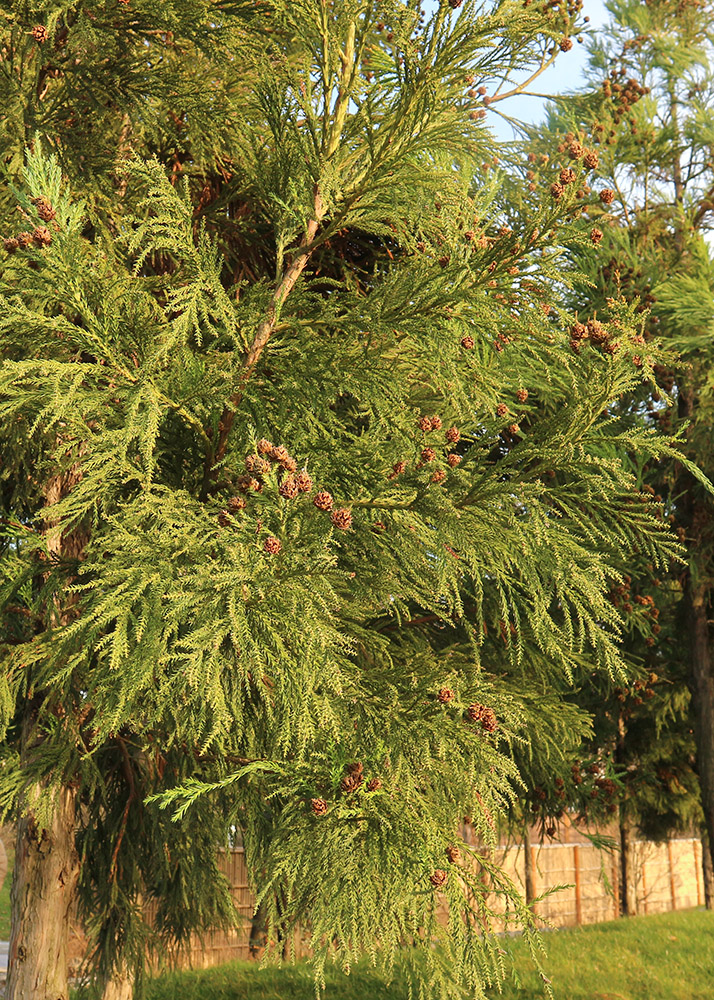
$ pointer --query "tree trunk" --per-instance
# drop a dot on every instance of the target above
(628, 895)
(707, 872)
(702, 686)
(258, 932)
(46, 860)
(46, 871)
(120, 986)
(531, 891)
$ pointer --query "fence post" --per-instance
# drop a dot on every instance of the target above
(698, 877)
(578, 905)
(671, 874)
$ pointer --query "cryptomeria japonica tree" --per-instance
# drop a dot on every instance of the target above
(309, 512)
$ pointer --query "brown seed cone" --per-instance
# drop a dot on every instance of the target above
(514, 429)
(341, 518)
(356, 767)
(24, 239)
(44, 209)
(453, 854)
(272, 545)
(257, 464)
(475, 712)
(578, 331)
(435, 423)
(428, 455)
(318, 806)
(607, 196)
(438, 878)
(453, 460)
(246, 484)
(468, 342)
(288, 488)
(566, 44)
(40, 33)
(439, 476)
(323, 500)
(236, 503)
(446, 695)
(596, 331)
(425, 424)
(224, 518)
(556, 190)
(304, 482)
(453, 435)
(596, 235)
(488, 720)
(398, 468)
(10, 244)
(351, 782)
(501, 410)
(567, 176)
(591, 159)
(576, 150)
(374, 784)
(289, 464)
(522, 395)
(264, 446)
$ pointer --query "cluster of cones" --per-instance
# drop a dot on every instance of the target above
(351, 782)
(292, 483)
(40, 236)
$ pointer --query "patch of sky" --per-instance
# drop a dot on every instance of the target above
(566, 75)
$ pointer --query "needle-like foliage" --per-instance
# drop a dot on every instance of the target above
(309, 508)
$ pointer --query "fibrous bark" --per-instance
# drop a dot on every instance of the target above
(46, 871)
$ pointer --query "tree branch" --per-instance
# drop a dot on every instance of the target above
(262, 336)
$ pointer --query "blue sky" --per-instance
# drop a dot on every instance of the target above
(567, 74)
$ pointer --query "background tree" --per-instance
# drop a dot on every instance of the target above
(305, 499)
(651, 118)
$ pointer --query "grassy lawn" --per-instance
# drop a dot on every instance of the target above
(5, 893)
(664, 957)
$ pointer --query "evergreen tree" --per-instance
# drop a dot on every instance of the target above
(309, 512)
(651, 117)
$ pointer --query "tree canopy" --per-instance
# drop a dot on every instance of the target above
(311, 511)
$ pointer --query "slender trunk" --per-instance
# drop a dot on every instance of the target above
(702, 685)
(46, 871)
(707, 872)
(531, 891)
(628, 895)
(284, 933)
(258, 932)
(120, 986)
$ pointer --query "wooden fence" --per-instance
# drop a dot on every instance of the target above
(668, 877)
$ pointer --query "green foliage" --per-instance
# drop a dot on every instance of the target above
(648, 112)
(183, 625)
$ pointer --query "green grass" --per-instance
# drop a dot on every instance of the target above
(5, 895)
(665, 957)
